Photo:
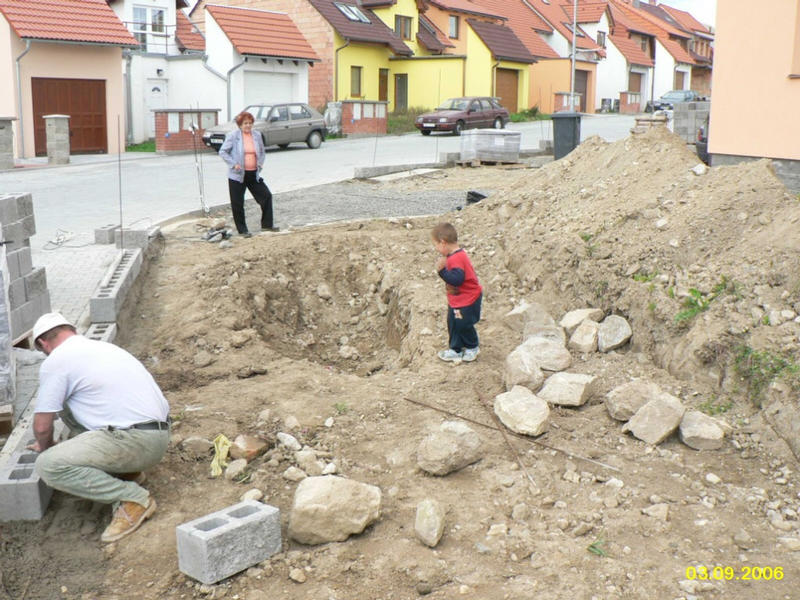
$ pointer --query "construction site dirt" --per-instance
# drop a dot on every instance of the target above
(334, 329)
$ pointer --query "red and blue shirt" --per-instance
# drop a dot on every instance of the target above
(463, 288)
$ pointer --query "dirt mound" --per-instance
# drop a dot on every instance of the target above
(342, 323)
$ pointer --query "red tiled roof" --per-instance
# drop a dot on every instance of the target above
(465, 6)
(662, 30)
(525, 23)
(632, 51)
(588, 12)
(262, 33)
(374, 31)
(552, 12)
(685, 20)
(630, 20)
(87, 21)
(187, 36)
(431, 37)
(501, 41)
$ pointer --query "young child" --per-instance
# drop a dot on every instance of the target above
(464, 295)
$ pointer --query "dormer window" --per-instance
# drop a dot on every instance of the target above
(148, 20)
(569, 28)
(453, 22)
(353, 13)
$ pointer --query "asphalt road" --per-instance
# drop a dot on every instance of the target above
(71, 201)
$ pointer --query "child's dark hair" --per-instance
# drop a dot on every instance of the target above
(445, 232)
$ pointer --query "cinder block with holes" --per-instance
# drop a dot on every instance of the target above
(105, 235)
(230, 540)
(23, 494)
(6, 416)
(102, 332)
(107, 301)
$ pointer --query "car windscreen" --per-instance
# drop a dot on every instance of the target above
(259, 111)
(454, 104)
(673, 96)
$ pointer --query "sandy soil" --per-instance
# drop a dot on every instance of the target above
(627, 227)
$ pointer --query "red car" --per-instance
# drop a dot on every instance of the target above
(458, 114)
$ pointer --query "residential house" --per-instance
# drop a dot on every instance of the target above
(63, 58)
(757, 86)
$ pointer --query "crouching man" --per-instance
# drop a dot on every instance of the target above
(118, 417)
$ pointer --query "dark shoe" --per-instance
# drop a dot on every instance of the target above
(127, 519)
(272, 229)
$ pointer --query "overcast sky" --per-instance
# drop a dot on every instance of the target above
(704, 11)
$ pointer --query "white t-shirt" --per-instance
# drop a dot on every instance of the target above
(101, 383)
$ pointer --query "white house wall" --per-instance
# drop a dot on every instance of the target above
(664, 71)
(124, 10)
(612, 74)
(192, 85)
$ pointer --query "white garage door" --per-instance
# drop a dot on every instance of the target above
(266, 88)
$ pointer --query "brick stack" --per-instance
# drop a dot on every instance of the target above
(28, 297)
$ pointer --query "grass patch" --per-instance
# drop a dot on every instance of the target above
(529, 114)
(341, 408)
(403, 122)
(698, 302)
(147, 146)
(596, 547)
(645, 277)
(711, 408)
(759, 368)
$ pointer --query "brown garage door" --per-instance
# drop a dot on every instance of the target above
(506, 88)
(84, 100)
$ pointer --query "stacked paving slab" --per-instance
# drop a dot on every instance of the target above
(688, 118)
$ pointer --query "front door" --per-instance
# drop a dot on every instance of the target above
(582, 87)
(506, 87)
(84, 100)
(155, 98)
(401, 93)
(383, 85)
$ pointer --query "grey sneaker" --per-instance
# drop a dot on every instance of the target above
(450, 355)
(470, 354)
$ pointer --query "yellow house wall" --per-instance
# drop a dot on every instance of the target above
(479, 66)
(405, 8)
(430, 81)
(370, 59)
(754, 106)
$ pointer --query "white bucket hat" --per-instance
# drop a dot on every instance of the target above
(46, 322)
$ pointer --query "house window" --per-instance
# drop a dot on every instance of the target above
(601, 39)
(147, 20)
(453, 27)
(353, 13)
(644, 44)
(402, 26)
(355, 82)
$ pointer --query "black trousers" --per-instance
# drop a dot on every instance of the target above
(461, 325)
(261, 194)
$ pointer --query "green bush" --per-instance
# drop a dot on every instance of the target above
(403, 122)
(146, 146)
(529, 114)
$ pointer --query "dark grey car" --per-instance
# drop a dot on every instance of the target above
(281, 124)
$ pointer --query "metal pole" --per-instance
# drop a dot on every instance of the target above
(574, 36)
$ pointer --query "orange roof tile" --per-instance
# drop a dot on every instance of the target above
(685, 19)
(262, 33)
(525, 24)
(466, 6)
(632, 51)
(552, 11)
(87, 21)
(588, 12)
(662, 30)
(501, 41)
(187, 36)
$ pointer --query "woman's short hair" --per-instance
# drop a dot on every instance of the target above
(242, 117)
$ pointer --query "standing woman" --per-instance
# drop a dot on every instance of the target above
(243, 151)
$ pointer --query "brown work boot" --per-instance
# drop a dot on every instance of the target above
(127, 519)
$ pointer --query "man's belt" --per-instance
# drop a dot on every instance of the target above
(156, 425)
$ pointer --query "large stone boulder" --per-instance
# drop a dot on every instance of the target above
(451, 448)
(614, 332)
(623, 401)
(701, 432)
(522, 368)
(657, 419)
(567, 389)
(331, 509)
(528, 314)
(522, 411)
(549, 354)
(553, 333)
(573, 318)
(584, 338)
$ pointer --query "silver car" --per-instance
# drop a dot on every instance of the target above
(280, 124)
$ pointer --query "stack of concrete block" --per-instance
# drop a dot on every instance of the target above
(491, 145)
(23, 494)
(688, 117)
(28, 295)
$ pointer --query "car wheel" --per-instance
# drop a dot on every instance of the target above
(498, 123)
(425, 131)
(283, 146)
(314, 140)
(459, 127)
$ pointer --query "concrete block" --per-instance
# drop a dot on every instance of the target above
(225, 542)
(18, 244)
(134, 238)
(13, 232)
(102, 332)
(35, 283)
(16, 293)
(109, 298)
(28, 226)
(8, 209)
(24, 261)
(12, 261)
(60, 433)
(105, 235)
(6, 418)
(24, 206)
(17, 325)
(23, 494)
